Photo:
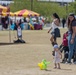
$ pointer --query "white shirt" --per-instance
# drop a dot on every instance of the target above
(19, 31)
(57, 57)
(53, 25)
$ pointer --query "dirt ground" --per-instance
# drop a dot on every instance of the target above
(23, 59)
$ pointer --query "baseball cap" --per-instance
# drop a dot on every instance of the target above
(56, 46)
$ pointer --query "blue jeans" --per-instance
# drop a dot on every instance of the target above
(72, 47)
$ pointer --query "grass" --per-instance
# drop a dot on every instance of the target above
(23, 59)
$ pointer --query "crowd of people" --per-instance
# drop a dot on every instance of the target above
(15, 21)
(22, 22)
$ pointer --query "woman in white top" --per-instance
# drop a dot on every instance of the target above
(55, 32)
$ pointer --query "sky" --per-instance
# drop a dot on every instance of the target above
(59, 0)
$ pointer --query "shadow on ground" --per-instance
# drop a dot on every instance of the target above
(5, 43)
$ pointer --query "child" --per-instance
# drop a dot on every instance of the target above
(19, 32)
(57, 57)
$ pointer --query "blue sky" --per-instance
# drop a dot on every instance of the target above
(58, 0)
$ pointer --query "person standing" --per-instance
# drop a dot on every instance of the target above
(63, 22)
(55, 32)
(71, 36)
(57, 57)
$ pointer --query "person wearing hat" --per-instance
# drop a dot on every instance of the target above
(57, 57)
(71, 36)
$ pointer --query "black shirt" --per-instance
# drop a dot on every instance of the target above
(74, 23)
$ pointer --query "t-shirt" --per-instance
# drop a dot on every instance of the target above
(19, 31)
(54, 26)
(74, 23)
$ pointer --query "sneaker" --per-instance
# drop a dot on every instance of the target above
(52, 43)
(63, 61)
(74, 62)
(68, 62)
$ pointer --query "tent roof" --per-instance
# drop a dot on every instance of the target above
(7, 14)
(4, 9)
(25, 13)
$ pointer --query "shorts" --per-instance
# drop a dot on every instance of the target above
(56, 33)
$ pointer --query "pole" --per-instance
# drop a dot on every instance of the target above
(66, 9)
(72, 1)
(31, 4)
(9, 30)
(62, 2)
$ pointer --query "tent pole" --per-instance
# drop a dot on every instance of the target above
(9, 31)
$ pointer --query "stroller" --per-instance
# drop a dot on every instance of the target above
(64, 47)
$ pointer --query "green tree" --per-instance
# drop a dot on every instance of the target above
(74, 6)
(44, 8)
